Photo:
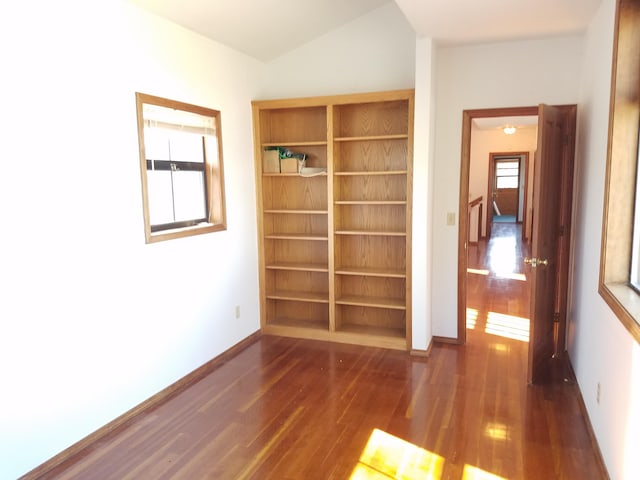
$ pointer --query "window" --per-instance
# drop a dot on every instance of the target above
(507, 173)
(634, 274)
(619, 253)
(181, 168)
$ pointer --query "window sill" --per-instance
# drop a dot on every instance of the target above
(152, 237)
(625, 302)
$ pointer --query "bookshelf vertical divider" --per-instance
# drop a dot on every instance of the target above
(331, 242)
(334, 237)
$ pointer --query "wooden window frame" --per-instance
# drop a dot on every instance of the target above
(214, 176)
(622, 162)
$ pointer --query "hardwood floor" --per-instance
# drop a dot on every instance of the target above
(496, 283)
(297, 409)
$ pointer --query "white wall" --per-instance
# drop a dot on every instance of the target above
(484, 142)
(523, 73)
(601, 349)
(93, 320)
(372, 53)
(423, 149)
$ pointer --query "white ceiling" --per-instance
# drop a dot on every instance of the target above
(266, 29)
(491, 123)
(474, 21)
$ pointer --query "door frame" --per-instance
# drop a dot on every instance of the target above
(524, 165)
(565, 256)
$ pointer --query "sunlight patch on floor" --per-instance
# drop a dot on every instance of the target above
(475, 473)
(496, 431)
(388, 457)
(508, 326)
(477, 271)
(500, 348)
(509, 275)
(472, 318)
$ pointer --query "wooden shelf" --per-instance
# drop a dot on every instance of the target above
(377, 234)
(319, 143)
(377, 172)
(371, 272)
(370, 202)
(298, 296)
(297, 236)
(371, 138)
(319, 324)
(321, 174)
(297, 212)
(380, 302)
(397, 333)
(298, 267)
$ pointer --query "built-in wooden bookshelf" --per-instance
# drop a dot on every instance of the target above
(335, 247)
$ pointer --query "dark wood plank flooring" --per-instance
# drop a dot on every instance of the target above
(299, 409)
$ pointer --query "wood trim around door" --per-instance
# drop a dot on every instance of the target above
(566, 207)
(463, 228)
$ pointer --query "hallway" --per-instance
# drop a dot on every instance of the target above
(497, 286)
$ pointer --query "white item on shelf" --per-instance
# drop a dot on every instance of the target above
(312, 171)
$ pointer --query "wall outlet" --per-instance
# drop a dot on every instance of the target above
(598, 394)
(451, 218)
(237, 311)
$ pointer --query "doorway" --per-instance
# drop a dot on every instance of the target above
(508, 187)
(551, 280)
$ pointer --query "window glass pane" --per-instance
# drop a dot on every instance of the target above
(186, 147)
(156, 144)
(634, 274)
(507, 165)
(160, 197)
(507, 182)
(189, 195)
(507, 172)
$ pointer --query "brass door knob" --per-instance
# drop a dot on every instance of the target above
(534, 262)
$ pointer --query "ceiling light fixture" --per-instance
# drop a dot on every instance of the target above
(509, 130)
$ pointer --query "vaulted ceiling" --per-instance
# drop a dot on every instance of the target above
(266, 29)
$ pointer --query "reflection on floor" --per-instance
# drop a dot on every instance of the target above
(497, 286)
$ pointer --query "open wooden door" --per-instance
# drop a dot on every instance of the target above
(546, 239)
